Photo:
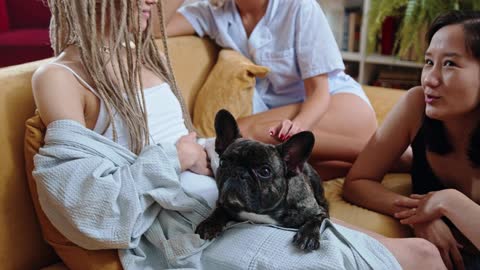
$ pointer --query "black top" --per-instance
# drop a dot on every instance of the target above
(423, 178)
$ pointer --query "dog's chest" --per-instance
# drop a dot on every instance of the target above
(257, 218)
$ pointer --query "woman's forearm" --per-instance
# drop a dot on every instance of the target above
(464, 213)
(371, 195)
(313, 109)
(316, 101)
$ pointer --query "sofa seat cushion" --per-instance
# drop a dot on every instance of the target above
(367, 219)
(383, 100)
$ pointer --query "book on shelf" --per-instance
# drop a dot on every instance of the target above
(351, 29)
(352, 69)
(397, 78)
(387, 38)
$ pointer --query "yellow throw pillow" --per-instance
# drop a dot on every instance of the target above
(72, 255)
(230, 86)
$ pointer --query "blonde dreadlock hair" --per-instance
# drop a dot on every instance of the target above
(92, 25)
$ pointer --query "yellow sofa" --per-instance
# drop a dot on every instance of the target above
(21, 242)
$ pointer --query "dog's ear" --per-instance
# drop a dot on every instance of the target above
(226, 129)
(297, 150)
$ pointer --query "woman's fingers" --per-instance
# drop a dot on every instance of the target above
(284, 130)
(407, 202)
(286, 126)
(206, 171)
(456, 258)
(411, 220)
(418, 196)
(293, 130)
(405, 213)
(446, 259)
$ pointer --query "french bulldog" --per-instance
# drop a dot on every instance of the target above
(264, 183)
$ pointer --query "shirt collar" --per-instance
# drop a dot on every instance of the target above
(230, 9)
(261, 36)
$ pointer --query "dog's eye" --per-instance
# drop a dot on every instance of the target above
(264, 172)
(222, 163)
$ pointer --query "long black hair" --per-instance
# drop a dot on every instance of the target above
(436, 138)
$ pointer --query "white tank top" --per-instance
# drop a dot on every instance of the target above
(164, 115)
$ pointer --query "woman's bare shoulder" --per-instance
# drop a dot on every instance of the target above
(58, 94)
(415, 96)
(410, 110)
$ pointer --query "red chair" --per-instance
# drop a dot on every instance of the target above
(23, 31)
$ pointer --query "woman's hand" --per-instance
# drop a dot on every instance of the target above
(423, 208)
(192, 156)
(438, 233)
(285, 129)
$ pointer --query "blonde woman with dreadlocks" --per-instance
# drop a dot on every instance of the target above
(120, 170)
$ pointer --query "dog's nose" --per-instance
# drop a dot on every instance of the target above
(244, 175)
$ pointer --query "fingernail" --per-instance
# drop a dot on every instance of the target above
(280, 136)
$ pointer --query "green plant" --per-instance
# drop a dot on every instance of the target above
(415, 16)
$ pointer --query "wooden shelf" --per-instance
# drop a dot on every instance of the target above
(351, 56)
(368, 64)
(391, 61)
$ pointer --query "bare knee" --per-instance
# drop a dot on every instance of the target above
(243, 124)
(250, 128)
(425, 254)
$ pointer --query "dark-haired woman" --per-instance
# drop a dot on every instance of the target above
(441, 121)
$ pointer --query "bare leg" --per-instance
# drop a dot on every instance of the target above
(331, 169)
(340, 134)
(411, 253)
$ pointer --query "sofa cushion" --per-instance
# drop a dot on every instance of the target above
(3, 16)
(72, 255)
(230, 86)
(363, 218)
(383, 100)
(28, 14)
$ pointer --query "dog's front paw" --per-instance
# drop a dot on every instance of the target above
(307, 238)
(209, 229)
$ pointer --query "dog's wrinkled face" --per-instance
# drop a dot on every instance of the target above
(252, 176)
(266, 183)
